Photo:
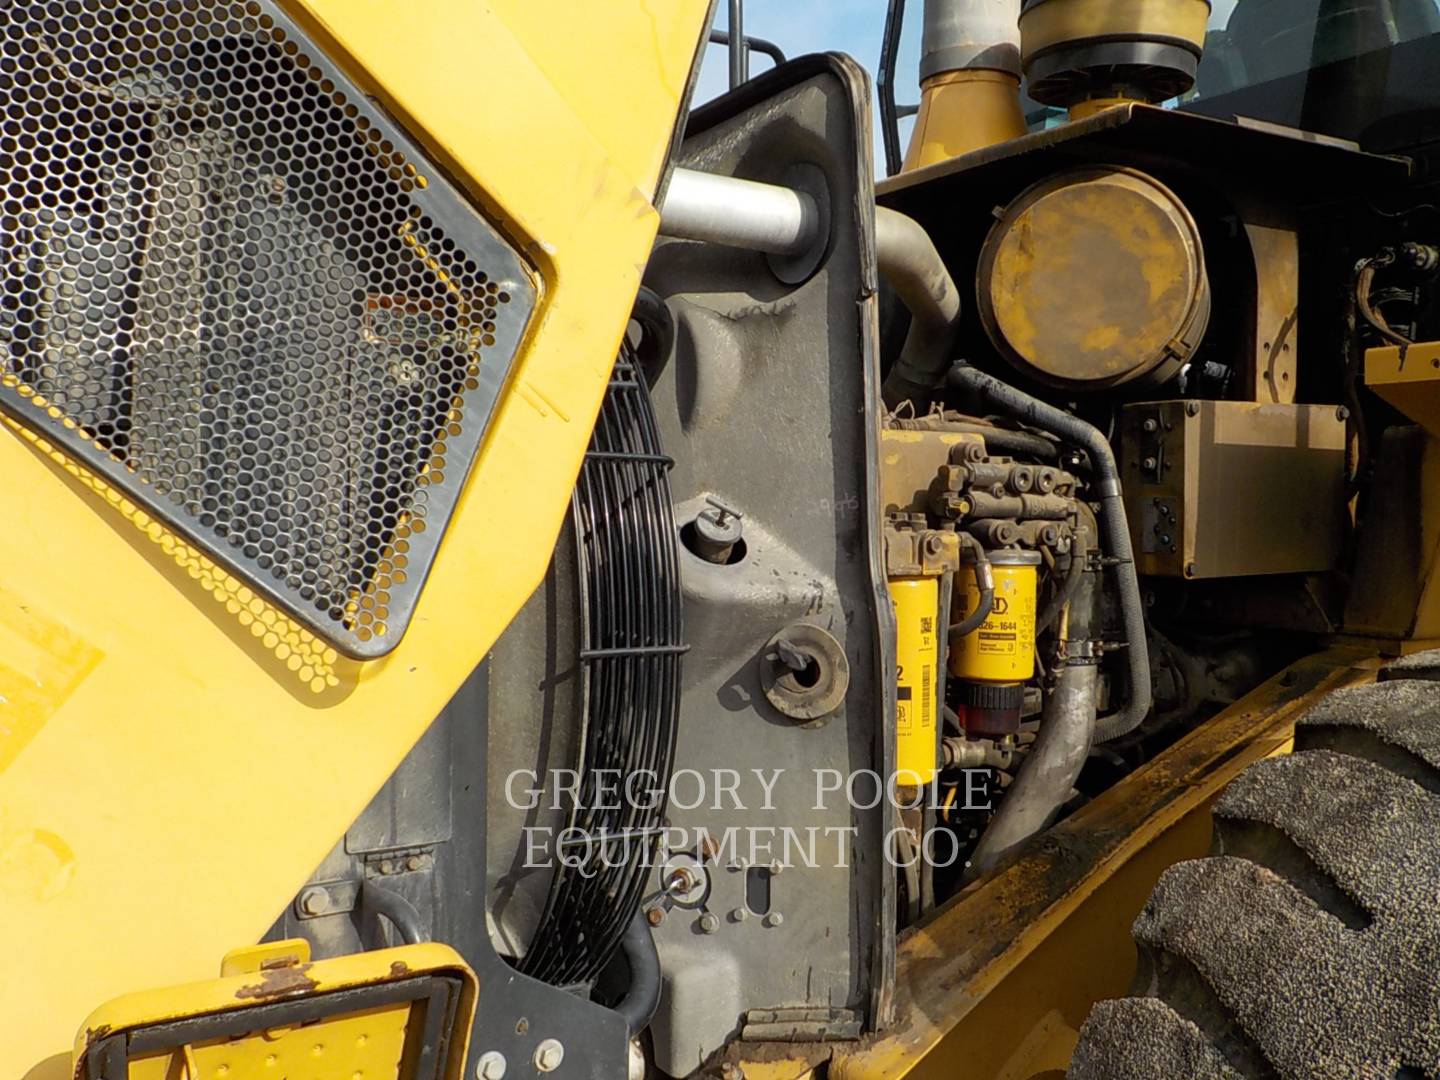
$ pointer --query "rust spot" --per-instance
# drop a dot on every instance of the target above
(276, 982)
(95, 1034)
(399, 969)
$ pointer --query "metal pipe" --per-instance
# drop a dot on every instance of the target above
(784, 221)
(643, 997)
(739, 51)
(739, 213)
(968, 34)
(753, 44)
(1113, 524)
(909, 261)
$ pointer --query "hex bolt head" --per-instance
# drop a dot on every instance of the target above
(654, 916)
(314, 901)
(491, 1066)
(709, 923)
(412, 863)
(774, 919)
(740, 914)
(548, 1055)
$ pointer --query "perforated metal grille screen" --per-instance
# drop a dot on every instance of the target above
(234, 289)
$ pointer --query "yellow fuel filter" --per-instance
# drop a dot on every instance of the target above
(917, 610)
(994, 660)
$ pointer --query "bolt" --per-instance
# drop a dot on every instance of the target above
(548, 1055)
(314, 900)
(1164, 538)
(412, 863)
(740, 914)
(491, 1065)
(709, 848)
(776, 867)
(1342, 413)
(1192, 408)
(709, 923)
(1149, 463)
(1150, 426)
(774, 919)
(654, 916)
(386, 866)
(1190, 569)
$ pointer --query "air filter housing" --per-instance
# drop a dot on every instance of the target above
(231, 288)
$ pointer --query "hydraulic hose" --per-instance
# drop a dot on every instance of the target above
(984, 582)
(1067, 731)
(643, 997)
(379, 900)
(999, 439)
(1114, 527)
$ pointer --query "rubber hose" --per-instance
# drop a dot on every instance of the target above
(643, 997)
(985, 583)
(379, 900)
(1050, 769)
(1114, 526)
(996, 438)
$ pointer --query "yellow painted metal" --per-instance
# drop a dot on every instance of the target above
(1094, 277)
(997, 984)
(175, 756)
(961, 111)
(1090, 106)
(370, 1042)
(917, 609)
(1043, 26)
(1002, 648)
(1409, 379)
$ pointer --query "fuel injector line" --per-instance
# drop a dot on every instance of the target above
(1114, 527)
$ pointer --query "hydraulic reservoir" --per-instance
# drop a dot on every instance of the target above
(994, 660)
(917, 610)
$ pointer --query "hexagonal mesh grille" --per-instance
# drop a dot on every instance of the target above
(230, 283)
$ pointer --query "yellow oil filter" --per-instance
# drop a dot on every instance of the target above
(1002, 648)
(917, 610)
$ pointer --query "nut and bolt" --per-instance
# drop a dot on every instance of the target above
(774, 919)
(709, 923)
(314, 901)
(548, 1055)
(491, 1066)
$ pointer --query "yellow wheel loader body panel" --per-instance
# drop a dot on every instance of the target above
(175, 753)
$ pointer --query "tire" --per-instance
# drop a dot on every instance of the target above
(1308, 945)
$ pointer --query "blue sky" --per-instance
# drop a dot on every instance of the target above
(806, 26)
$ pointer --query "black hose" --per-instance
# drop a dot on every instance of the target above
(378, 900)
(657, 330)
(985, 583)
(643, 997)
(1113, 524)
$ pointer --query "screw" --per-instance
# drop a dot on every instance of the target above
(491, 1065)
(314, 900)
(548, 1055)
(774, 919)
(654, 916)
(709, 923)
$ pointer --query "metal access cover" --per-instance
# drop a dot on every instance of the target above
(232, 288)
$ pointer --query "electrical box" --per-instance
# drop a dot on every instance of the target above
(1219, 489)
